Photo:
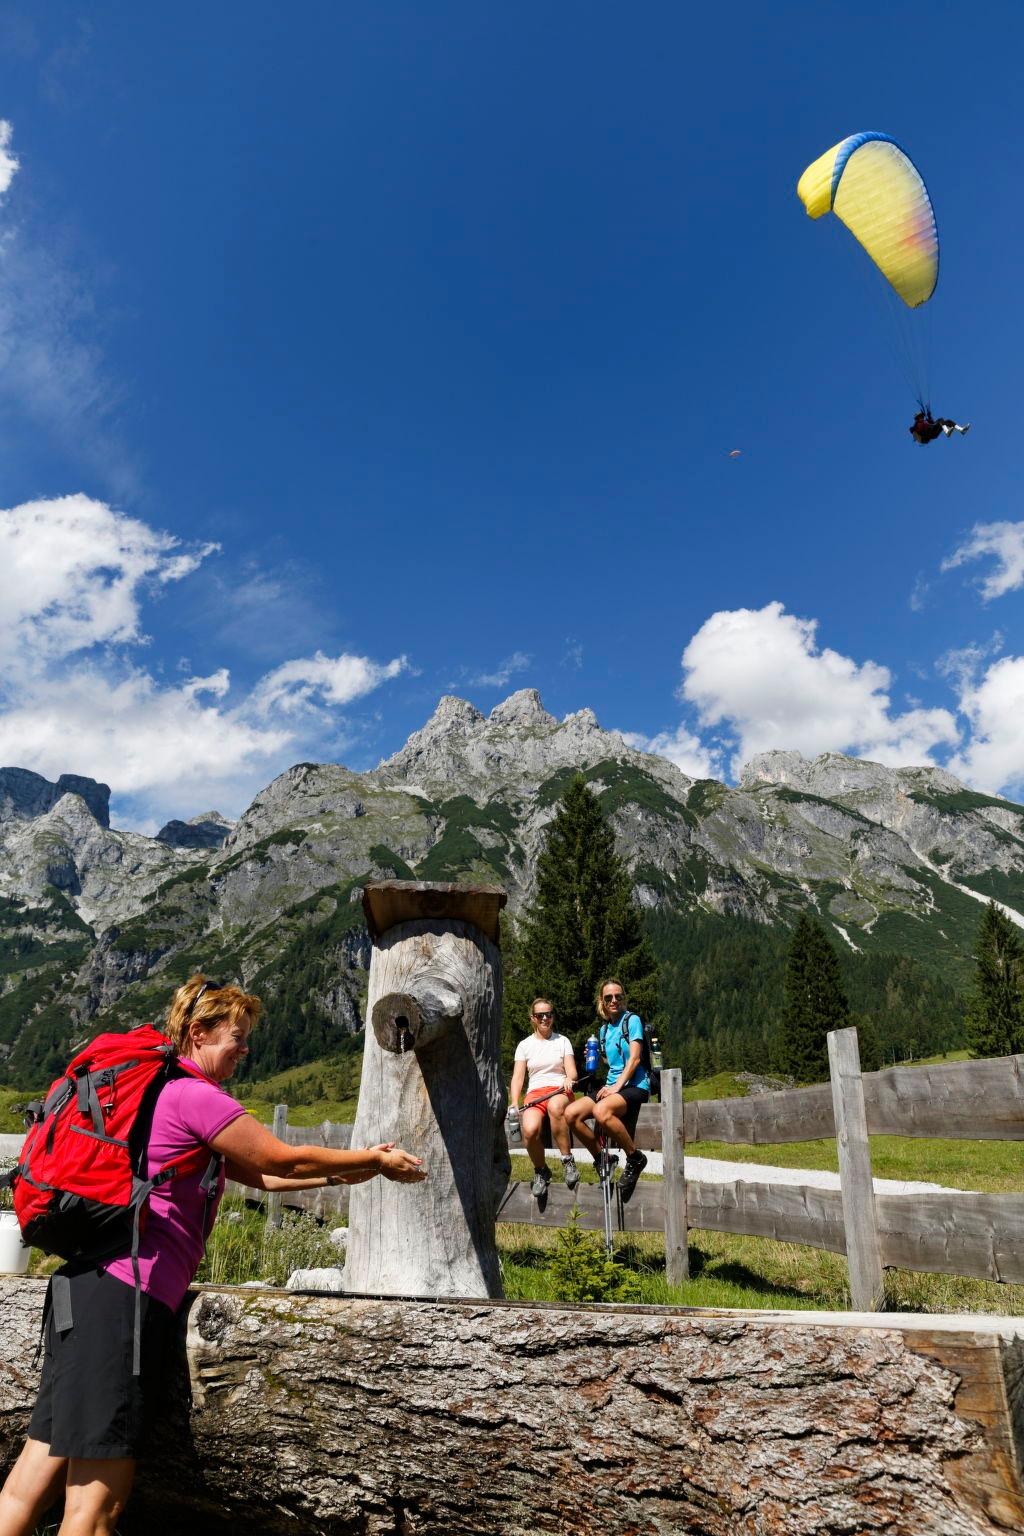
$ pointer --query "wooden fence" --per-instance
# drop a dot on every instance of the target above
(977, 1235)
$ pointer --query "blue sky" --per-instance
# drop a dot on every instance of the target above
(354, 355)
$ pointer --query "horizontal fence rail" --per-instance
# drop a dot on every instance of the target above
(961, 1100)
(980, 1236)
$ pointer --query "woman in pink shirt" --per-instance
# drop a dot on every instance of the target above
(87, 1426)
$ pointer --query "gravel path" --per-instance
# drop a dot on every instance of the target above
(714, 1170)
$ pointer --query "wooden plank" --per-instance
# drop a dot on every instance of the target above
(795, 1114)
(328, 1204)
(644, 1213)
(977, 1235)
(329, 1133)
(389, 902)
(787, 1213)
(867, 1288)
(278, 1128)
(677, 1261)
(965, 1100)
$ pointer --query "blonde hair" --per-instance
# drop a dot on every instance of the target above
(202, 1001)
(610, 981)
(541, 1000)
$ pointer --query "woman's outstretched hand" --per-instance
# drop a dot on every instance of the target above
(400, 1166)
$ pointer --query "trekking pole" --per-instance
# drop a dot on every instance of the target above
(605, 1165)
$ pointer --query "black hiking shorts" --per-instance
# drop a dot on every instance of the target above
(635, 1098)
(90, 1405)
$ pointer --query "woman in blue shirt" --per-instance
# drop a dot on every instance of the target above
(616, 1105)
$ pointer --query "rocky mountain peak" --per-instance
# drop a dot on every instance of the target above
(208, 830)
(833, 775)
(452, 711)
(523, 708)
(25, 795)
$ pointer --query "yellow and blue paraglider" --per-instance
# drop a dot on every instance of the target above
(875, 189)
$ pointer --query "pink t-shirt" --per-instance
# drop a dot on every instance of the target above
(190, 1111)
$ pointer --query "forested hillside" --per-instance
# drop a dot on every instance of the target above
(722, 994)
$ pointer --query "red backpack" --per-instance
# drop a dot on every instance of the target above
(81, 1187)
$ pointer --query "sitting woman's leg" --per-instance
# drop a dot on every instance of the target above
(533, 1124)
(559, 1129)
(610, 1111)
(576, 1117)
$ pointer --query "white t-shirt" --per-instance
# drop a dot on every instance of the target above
(544, 1060)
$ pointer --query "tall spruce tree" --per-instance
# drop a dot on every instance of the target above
(815, 1003)
(581, 927)
(995, 1011)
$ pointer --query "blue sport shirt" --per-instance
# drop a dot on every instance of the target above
(616, 1050)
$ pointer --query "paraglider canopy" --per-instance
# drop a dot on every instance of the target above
(876, 190)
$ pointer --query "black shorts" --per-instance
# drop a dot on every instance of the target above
(90, 1405)
(635, 1098)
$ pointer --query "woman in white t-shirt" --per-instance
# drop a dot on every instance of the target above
(545, 1063)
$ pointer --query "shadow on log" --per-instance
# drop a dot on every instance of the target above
(432, 1083)
(383, 1417)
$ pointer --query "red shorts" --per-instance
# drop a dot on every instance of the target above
(540, 1098)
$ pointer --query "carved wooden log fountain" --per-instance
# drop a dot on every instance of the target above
(432, 1083)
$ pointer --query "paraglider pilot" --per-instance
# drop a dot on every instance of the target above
(926, 428)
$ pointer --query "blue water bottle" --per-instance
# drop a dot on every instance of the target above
(590, 1055)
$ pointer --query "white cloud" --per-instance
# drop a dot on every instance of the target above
(503, 672)
(136, 735)
(759, 675)
(74, 577)
(9, 162)
(1004, 542)
(681, 747)
(73, 573)
(993, 759)
(317, 680)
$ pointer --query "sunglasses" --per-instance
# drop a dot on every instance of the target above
(614, 997)
(207, 986)
(545, 1013)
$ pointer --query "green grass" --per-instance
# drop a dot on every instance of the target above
(728, 1271)
(243, 1246)
(722, 1086)
(992, 1166)
(10, 1098)
(321, 1090)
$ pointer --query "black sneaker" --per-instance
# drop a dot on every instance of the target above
(635, 1165)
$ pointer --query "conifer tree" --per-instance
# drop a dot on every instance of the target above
(582, 926)
(995, 1012)
(815, 1003)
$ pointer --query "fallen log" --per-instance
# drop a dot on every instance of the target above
(392, 1417)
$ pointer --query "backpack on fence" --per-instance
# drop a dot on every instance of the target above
(646, 1059)
(81, 1187)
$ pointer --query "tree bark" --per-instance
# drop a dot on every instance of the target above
(385, 1417)
(432, 1083)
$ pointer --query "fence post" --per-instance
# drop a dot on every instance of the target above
(677, 1259)
(863, 1254)
(280, 1126)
